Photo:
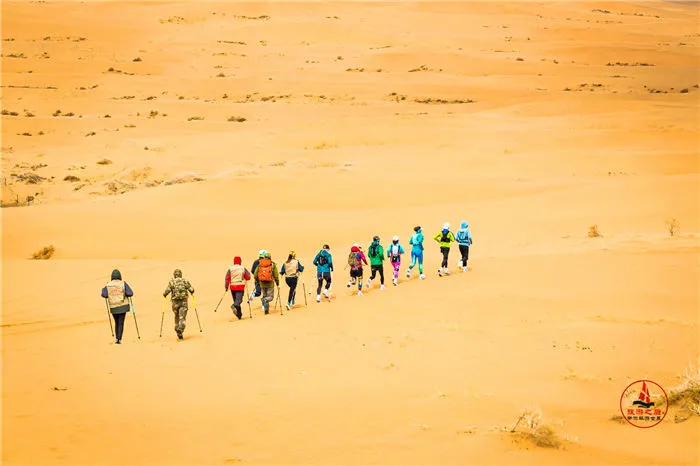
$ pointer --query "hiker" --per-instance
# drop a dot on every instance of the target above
(291, 269)
(464, 240)
(376, 262)
(267, 277)
(355, 260)
(256, 292)
(416, 242)
(394, 252)
(179, 287)
(117, 293)
(236, 276)
(445, 237)
(324, 266)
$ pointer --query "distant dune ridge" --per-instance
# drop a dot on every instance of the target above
(149, 136)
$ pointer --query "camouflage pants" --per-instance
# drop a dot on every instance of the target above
(180, 312)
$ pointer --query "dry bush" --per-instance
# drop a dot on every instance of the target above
(532, 429)
(195, 118)
(183, 178)
(44, 253)
(237, 119)
(686, 395)
(71, 178)
(593, 232)
(104, 162)
(322, 145)
(673, 226)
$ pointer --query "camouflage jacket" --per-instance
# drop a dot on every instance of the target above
(179, 288)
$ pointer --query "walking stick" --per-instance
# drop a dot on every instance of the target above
(108, 317)
(222, 298)
(196, 313)
(134, 313)
(303, 284)
(277, 301)
(162, 316)
(250, 312)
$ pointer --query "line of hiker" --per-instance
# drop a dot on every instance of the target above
(266, 276)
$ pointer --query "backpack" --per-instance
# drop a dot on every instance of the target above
(373, 250)
(179, 287)
(265, 270)
(445, 237)
(395, 253)
(354, 260)
(322, 259)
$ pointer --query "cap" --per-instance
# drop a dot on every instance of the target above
(262, 253)
(376, 238)
(446, 226)
(395, 238)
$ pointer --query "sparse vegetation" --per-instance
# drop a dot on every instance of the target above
(617, 63)
(323, 145)
(104, 162)
(137, 59)
(221, 75)
(44, 253)
(532, 428)
(6, 112)
(236, 119)
(593, 232)
(430, 100)
(71, 178)
(686, 395)
(673, 226)
(195, 118)
(91, 133)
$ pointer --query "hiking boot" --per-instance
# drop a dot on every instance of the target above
(359, 292)
(289, 306)
(408, 274)
(447, 271)
(118, 342)
(293, 302)
(318, 298)
(464, 269)
(325, 293)
(459, 264)
(422, 276)
(440, 271)
(382, 287)
(179, 336)
(252, 296)
(395, 281)
(350, 283)
(369, 282)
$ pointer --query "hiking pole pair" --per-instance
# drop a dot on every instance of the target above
(108, 317)
(277, 301)
(133, 311)
(303, 284)
(162, 316)
(194, 303)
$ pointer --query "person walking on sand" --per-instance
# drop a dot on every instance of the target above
(355, 260)
(256, 292)
(117, 293)
(267, 276)
(324, 266)
(178, 288)
(416, 243)
(236, 278)
(291, 270)
(376, 262)
(445, 237)
(394, 252)
(464, 240)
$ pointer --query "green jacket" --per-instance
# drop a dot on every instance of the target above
(444, 244)
(379, 258)
(275, 275)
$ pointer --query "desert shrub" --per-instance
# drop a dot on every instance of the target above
(237, 119)
(593, 232)
(532, 428)
(673, 227)
(44, 253)
(686, 395)
(104, 162)
(71, 178)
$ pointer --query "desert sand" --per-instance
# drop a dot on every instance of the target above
(146, 136)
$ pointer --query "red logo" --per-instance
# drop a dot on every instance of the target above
(644, 403)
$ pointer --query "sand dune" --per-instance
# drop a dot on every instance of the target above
(148, 136)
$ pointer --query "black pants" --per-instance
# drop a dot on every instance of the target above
(292, 284)
(464, 250)
(378, 268)
(119, 325)
(237, 300)
(445, 252)
(321, 276)
(258, 290)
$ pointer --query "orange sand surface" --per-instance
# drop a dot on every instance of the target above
(148, 136)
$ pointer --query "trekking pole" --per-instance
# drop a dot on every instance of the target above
(108, 317)
(250, 312)
(162, 316)
(196, 313)
(134, 313)
(277, 301)
(222, 298)
(303, 284)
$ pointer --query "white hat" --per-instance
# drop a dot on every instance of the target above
(446, 226)
(262, 252)
(395, 238)
(357, 245)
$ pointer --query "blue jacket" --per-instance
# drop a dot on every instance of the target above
(328, 266)
(393, 247)
(417, 241)
(463, 236)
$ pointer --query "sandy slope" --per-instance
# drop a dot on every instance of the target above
(580, 114)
